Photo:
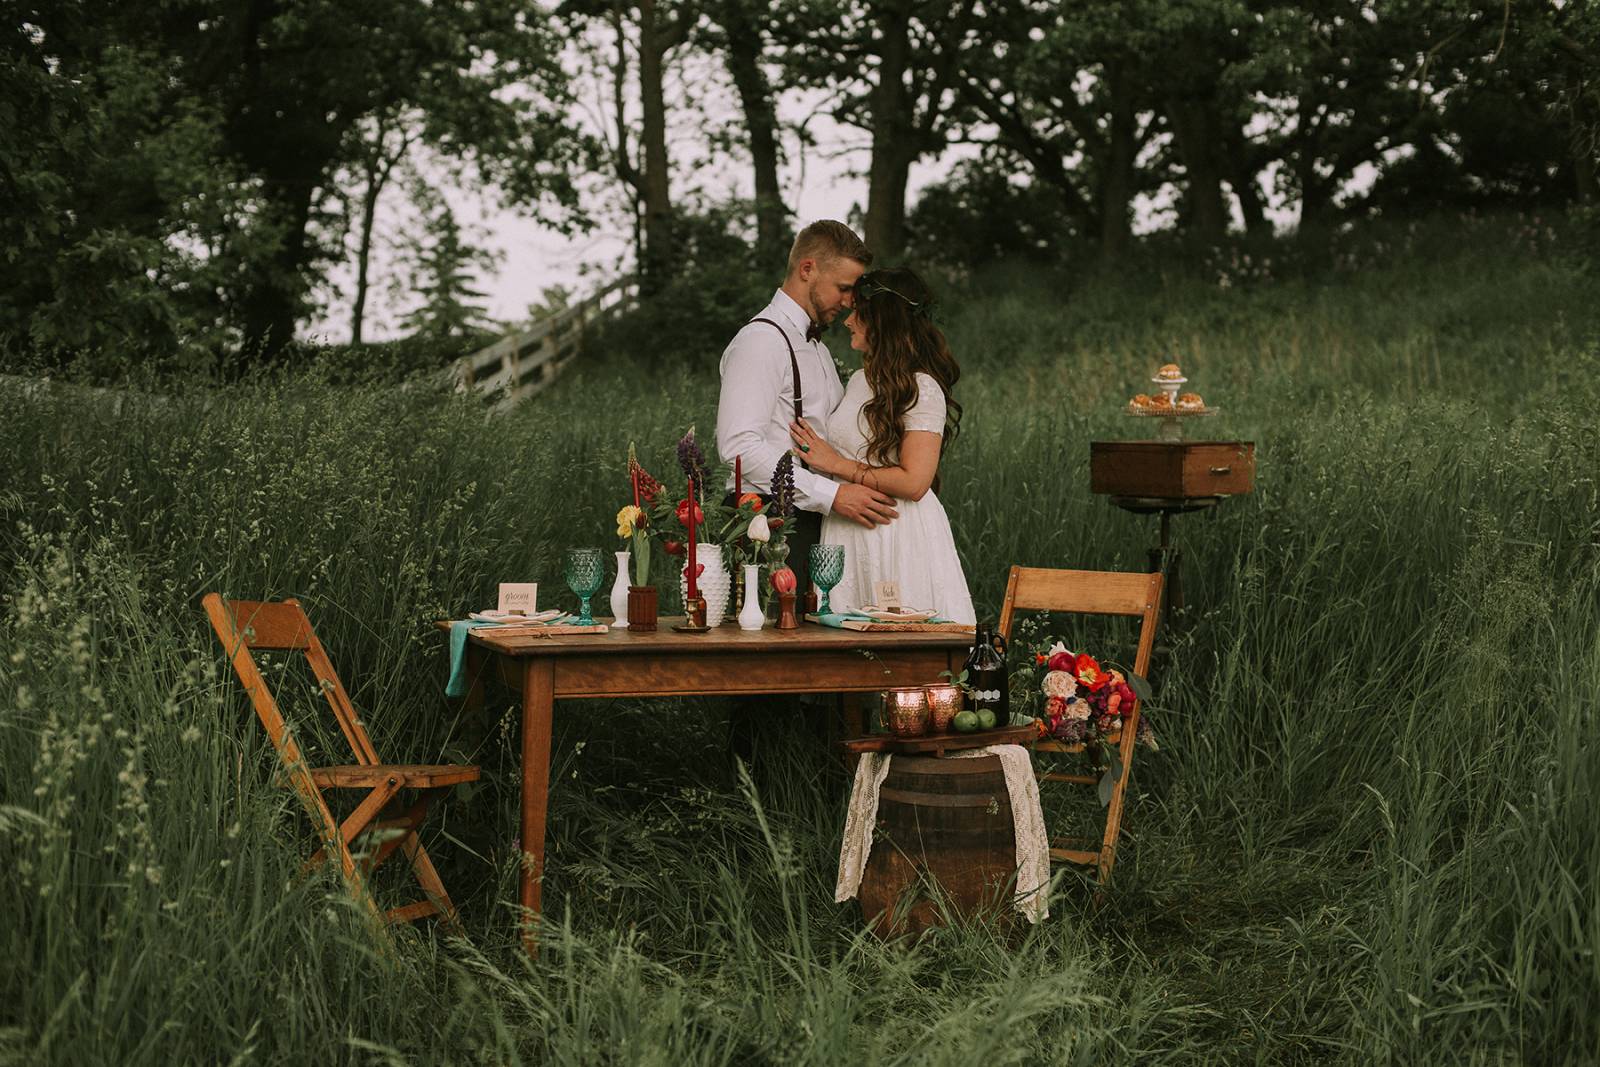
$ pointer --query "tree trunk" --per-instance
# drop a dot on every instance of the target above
(1195, 128)
(369, 210)
(653, 133)
(892, 148)
(1116, 183)
(1584, 137)
(761, 122)
(275, 295)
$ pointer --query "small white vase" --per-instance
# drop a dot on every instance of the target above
(751, 617)
(619, 594)
(715, 583)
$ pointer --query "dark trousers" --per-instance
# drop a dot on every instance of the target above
(748, 714)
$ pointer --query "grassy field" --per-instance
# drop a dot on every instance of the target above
(1372, 833)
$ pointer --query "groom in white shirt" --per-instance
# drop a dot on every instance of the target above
(776, 369)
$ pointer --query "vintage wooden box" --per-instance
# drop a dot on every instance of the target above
(1172, 469)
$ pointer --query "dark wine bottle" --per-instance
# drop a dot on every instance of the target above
(987, 681)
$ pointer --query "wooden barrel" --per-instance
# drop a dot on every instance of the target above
(944, 831)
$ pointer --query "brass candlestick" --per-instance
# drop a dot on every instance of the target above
(694, 610)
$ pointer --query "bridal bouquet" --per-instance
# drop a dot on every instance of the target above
(1085, 703)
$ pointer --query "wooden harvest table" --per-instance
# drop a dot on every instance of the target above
(726, 661)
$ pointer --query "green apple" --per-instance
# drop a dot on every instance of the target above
(985, 719)
(965, 722)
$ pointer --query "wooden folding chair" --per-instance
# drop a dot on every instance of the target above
(1091, 593)
(245, 626)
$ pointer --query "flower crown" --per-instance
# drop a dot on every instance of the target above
(920, 308)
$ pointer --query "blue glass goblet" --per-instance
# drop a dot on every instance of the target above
(827, 567)
(584, 570)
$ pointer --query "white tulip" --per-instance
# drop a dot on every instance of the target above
(759, 530)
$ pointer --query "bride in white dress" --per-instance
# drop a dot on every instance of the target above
(887, 433)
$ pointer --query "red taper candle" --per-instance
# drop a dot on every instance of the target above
(635, 474)
(694, 589)
(738, 478)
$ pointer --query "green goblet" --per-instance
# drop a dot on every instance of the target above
(827, 567)
(585, 570)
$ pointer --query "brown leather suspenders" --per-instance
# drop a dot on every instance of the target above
(794, 364)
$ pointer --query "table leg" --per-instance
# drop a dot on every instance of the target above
(538, 702)
(477, 664)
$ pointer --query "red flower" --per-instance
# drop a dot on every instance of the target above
(1061, 661)
(674, 548)
(1039, 658)
(783, 580)
(1055, 707)
(683, 513)
(753, 499)
(775, 522)
(1090, 676)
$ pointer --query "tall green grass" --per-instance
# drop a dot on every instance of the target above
(1370, 834)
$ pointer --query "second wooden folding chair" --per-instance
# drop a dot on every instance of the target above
(1091, 593)
(246, 626)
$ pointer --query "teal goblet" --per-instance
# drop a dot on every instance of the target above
(827, 567)
(585, 570)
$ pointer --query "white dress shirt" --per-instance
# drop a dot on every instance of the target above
(757, 400)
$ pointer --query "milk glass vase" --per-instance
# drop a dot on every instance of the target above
(751, 617)
(619, 593)
(715, 583)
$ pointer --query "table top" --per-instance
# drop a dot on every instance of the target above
(808, 637)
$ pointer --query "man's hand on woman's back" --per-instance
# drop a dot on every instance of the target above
(866, 506)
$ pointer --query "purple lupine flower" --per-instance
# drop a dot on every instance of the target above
(693, 460)
(783, 487)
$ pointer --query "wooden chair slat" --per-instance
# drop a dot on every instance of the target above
(246, 625)
(411, 776)
(1076, 592)
(269, 626)
(412, 912)
(1087, 857)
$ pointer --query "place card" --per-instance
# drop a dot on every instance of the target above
(886, 595)
(519, 597)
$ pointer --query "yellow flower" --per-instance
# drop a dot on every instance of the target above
(627, 518)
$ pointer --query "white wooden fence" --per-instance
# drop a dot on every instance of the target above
(521, 365)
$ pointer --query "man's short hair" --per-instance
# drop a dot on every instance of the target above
(826, 240)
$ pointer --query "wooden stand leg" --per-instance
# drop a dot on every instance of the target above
(538, 703)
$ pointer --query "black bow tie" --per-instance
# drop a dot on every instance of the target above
(814, 332)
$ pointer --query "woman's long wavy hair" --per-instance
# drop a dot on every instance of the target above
(895, 305)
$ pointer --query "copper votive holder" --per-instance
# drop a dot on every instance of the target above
(906, 711)
(943, 703)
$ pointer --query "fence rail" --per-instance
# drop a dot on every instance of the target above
(522, 365)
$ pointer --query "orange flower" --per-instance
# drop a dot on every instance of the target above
(1040, 658)
(1090, 676)
(753, 499)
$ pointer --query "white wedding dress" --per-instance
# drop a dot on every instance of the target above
(917, 549)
